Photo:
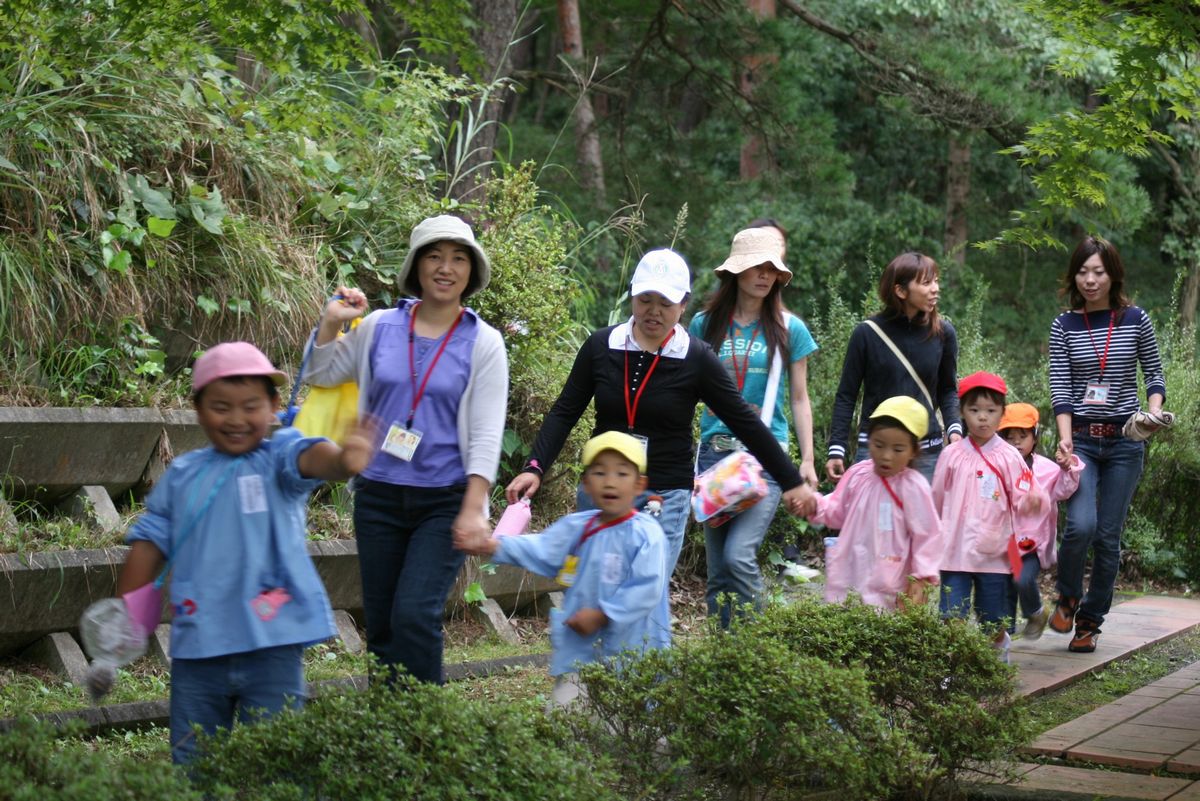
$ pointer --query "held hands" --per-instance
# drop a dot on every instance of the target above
(800, 501)
(472, 534)
(1063, 459)
(587, 622)
(525, 485)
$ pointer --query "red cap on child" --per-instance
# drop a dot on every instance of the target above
(230, 359)
(982, 380)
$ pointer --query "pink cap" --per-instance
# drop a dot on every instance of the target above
(230, 359)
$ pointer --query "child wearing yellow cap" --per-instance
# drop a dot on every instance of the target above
(1059, 479)
(612, 560)
(890, 547)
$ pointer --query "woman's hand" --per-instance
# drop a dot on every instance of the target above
(809, 473)
(800, 500)
(347, 304)
(955, 437)
(835, 469)
(1064, 451)
(525, 485)
(472, 530)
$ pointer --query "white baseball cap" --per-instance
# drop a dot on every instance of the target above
(663, 271)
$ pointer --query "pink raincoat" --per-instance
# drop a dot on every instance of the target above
(882, 542)
(1059, 484)
(981, 511)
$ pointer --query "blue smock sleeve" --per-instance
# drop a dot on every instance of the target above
(154, 524)
(286, 446)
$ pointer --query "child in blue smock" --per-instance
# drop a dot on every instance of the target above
(613, 563)
(245, 596)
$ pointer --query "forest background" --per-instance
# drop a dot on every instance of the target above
(177, 173)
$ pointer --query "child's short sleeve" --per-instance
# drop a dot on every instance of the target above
(286, 446)
(154, 524)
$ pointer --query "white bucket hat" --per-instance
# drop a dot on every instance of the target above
(663, 271)
(755, 247)
(445, 227)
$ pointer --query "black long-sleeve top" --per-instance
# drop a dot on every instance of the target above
(688, 373)
(871, 366)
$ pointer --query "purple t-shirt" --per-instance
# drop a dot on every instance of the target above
(437, 461)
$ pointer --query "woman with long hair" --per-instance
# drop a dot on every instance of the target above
(905, 349)
(1095, 350)
(746, 324)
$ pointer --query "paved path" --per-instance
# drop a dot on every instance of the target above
(1154, 728)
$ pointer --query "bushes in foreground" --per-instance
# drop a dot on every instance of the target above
(804, 698)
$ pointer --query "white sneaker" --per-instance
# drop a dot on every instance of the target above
(1002, 649)
(798, 572)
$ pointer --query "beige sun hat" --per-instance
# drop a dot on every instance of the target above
(452, 229)
(754, 247)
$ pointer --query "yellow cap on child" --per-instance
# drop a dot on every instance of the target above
(629, 447)
(910, 412)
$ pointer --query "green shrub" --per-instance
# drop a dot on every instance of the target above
(739, 715)
(36, 765)
(418, 742)
(940, 684)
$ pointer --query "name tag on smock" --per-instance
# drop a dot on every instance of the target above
(884, 522)
(401, 442)
(612, 568)
(252, 494)
(1096, 394)
(566, 574)
(988, 489)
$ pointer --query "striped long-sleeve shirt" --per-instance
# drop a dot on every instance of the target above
(1077, 345)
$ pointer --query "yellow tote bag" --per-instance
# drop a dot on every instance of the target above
(329, 411)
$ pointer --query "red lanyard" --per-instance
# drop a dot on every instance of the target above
(595, 526)
(631, 406)
(419, 392)
(740, 375)
(1112, 318)
(999, 477)
(892, 492)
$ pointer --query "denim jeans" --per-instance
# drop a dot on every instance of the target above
(674, 516)
(995, 600)
(732, 549)
(925, 463)
(249, 686)
(1095, 519)
(1027, 585)
(408, 566)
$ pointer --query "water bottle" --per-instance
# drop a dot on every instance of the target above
(515, 519)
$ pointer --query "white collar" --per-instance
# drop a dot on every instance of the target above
(621, 338)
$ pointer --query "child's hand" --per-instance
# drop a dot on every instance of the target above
(1062, 458)
(801, 501)
(360, 445)
(587, 622)
(915, 594)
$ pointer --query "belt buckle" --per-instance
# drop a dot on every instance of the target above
(721, 442)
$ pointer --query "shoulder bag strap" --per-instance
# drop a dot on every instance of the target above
(908, 366)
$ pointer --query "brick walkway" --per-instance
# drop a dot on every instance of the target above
(1155, 728)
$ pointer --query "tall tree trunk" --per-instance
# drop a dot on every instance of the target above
(958, 190)
(754, 157)
(497, 27)
(1182, 242)
(587, 136)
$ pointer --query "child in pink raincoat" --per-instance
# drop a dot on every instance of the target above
(890, 546)
(987, 497)
(1059, 478)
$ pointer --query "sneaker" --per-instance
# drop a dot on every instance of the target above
(1002, 649)
(1035, 624)
(797, 572)
(1087, 637)
(1063, 618)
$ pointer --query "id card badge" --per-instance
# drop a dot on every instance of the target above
(1096, 394)
(401, 442)
(645, 441)
(989, 489)
(566, 574)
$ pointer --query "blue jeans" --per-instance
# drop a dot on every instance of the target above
(925, 463)
(732, 549)
(1027, 585)
(674, 516)
(408, 566)
(249, 686)
(995, 602)
(1095, 519)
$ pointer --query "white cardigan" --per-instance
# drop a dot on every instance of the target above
(481, 414)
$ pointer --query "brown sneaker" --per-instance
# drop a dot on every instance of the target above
(1087, 635)
(1063, 619)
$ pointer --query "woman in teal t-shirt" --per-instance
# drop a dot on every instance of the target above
(746, 324)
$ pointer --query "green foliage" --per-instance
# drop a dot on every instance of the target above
(35, 764)
(418, 741)
(938, 684)
(741, 715)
